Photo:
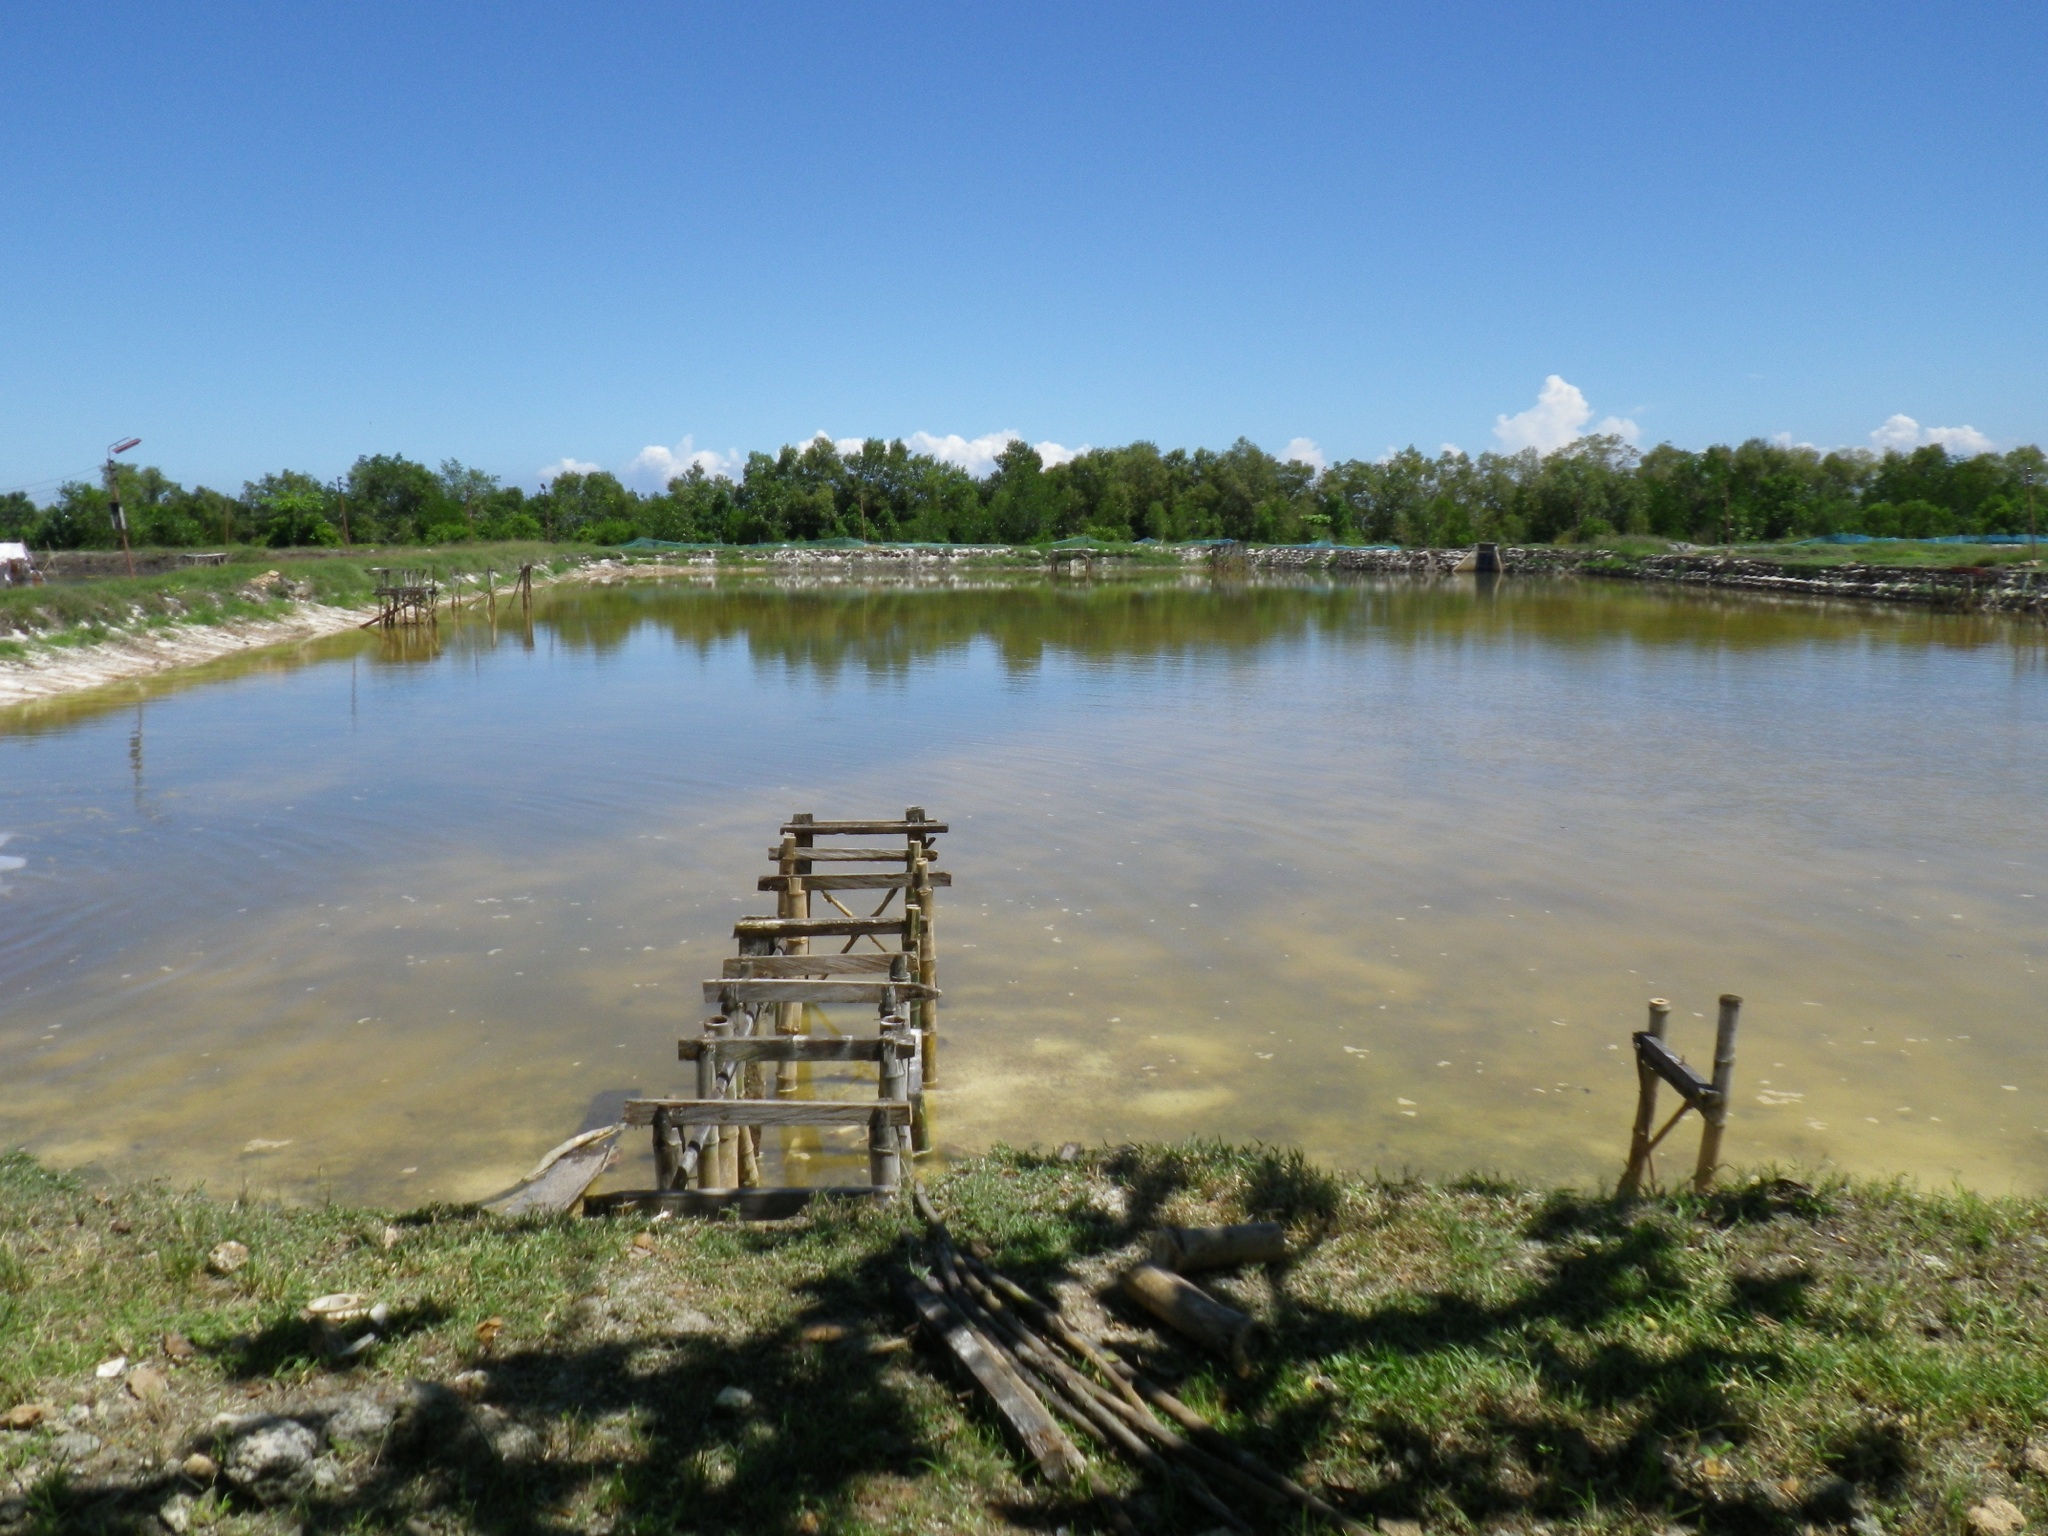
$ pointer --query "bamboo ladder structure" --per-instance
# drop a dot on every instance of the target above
(406, 597)
(708, 1149)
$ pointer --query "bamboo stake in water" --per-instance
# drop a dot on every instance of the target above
(710, 1163)
(1724, 1086)
(885, 1154)
(1646, 1108)
(927, 965)
(794, 902)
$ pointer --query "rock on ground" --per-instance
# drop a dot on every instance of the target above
(1996, 1517)
(269, 1459)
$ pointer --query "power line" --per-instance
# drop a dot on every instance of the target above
(84, 474)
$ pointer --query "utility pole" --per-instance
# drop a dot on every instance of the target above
(120, 518)
(2033, 539)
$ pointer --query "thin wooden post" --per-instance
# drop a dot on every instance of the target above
(924, 904)
(1646, 1108)
(920, 1124)
(794, 901)
(1716, 1113)
(710, 1166)
(885, 1154)
(747, 1138)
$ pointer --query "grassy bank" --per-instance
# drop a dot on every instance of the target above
(1472, 1357)
(254, 584)
(265, 583)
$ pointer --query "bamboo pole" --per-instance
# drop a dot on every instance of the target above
(927, 965)
(1724, 1085)
(746, 1084)
(710, 1164)
(794, 901)
(1646, 1108)
(885, 1153)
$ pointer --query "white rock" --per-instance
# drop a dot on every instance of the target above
(735, 1400)
(75, 1445)
(266, 1457)
(359, 1418)
(107, 1370)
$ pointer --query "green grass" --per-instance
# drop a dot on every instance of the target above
(1477, 1356)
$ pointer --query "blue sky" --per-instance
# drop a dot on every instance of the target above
(262, 235)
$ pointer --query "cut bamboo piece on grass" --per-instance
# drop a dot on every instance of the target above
(730, 1112)
(1192, 1311)
(1185, 1250)
(750, 990)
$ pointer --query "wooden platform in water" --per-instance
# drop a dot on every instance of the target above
(755, 1043)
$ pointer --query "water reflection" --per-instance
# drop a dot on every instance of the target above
(1382, 868)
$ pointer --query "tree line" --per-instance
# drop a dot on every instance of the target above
(1593, 489)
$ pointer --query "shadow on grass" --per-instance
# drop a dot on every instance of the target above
(621, 1425)
(621, 1429)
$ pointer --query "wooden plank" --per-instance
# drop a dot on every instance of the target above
(851, 855)
(765, 1111)
(1056, 1455)
(769, 1204)
(1662, 1060)
(766, 966)
(791, 1048)
(865, 828)
(848, 882)
(739, 990)
(562, 1177)
(813, 927)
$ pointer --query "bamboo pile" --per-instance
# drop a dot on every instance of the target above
(1038, 1369)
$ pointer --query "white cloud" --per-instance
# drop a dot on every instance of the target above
(654, 466)
(1902, 434)
(1303, 450)
(1556, 420)
(567, 467)
(978, 455)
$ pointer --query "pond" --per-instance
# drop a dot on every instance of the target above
(1382, 869)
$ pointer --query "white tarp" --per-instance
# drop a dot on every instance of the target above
(13, 552)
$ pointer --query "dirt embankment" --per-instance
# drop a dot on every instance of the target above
(1997, 589)
(47, 671)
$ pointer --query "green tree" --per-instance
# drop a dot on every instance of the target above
(391, 499)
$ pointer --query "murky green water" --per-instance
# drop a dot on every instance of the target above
(1383, 870)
